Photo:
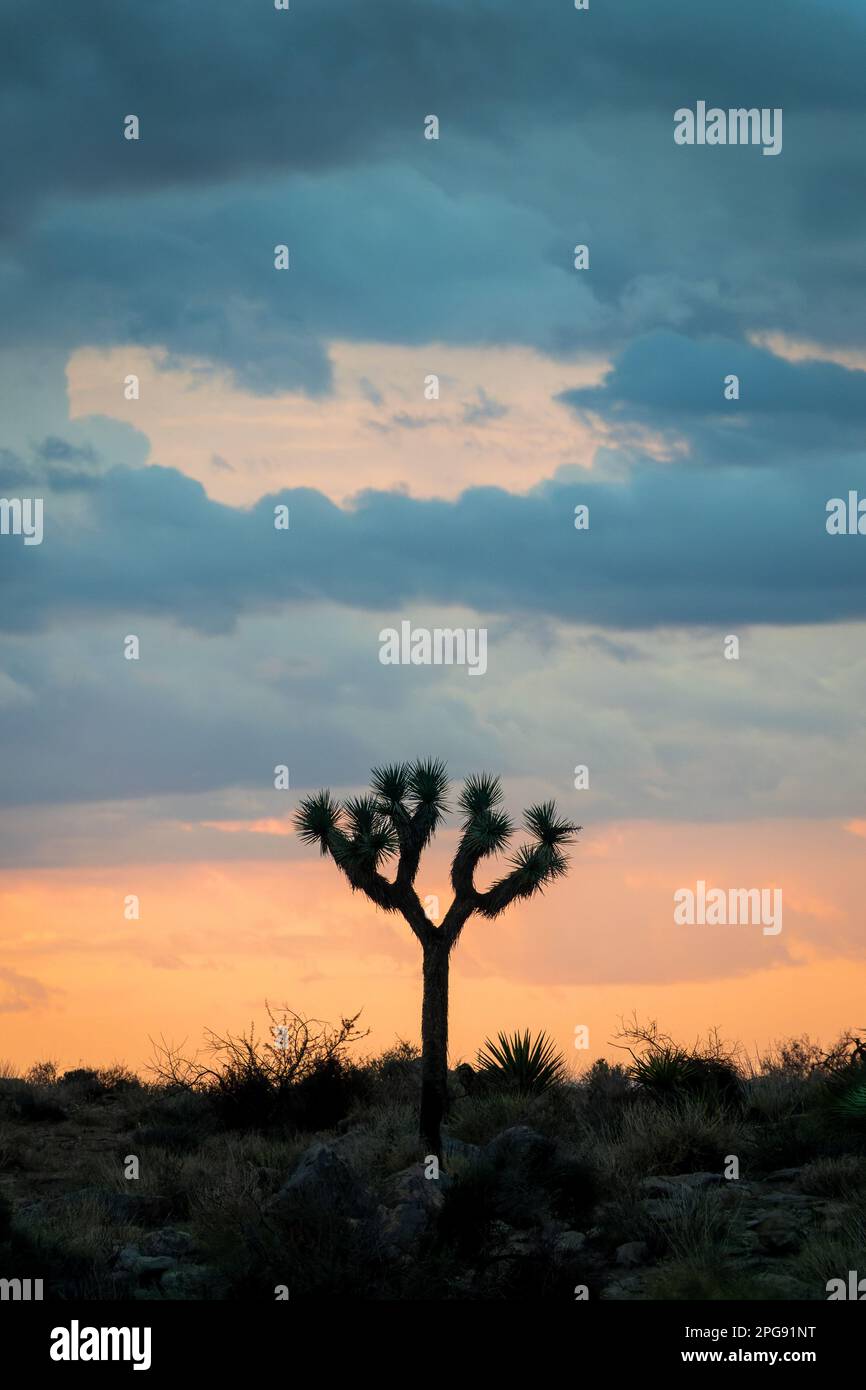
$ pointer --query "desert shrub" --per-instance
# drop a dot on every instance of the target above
(844, 1176)
(795, 1058)
(42, 1074)
(324, 1096)
(16, 1153)
(662, 1068)
(303, 1242)
(86, 1084)
(478, 1118)
(783, 1143)
(705, 1278)
(248, 1099)
(572, 1189)
(830, 1255)
(473, 1202)
(623, 1217)
(82, 1084)
(383, 1140)
(173, 1106)
(27, 1105)
(178, 1138)
(179, 1121)
(302, 1080)
(165, 1175)
(521, 1063)
(842, 1070)
(394, 1077)
(10, 1089)
(837, 1096)
(245, 1099)
(698, 1223)
(668, 1072)
(605, 1089)
(850, 1102)
(678, 1136)
(775, 1095)
(119, 1078)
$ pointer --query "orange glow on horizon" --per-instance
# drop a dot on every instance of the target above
(85, 986)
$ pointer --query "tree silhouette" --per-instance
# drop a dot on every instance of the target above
(399, 819)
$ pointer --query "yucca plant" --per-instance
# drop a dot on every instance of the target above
(666, 1070)
(851, 1103)
(522, 1063)
(397, 822)
(843, 1070)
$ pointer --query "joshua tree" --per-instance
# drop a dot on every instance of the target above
(399, 819)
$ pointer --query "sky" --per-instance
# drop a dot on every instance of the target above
(308, 388)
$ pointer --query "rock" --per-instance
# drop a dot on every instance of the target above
(519, 1146)
(519, 1244)
(133, 1262)
(324, 1176)
(658, 1187)
(627, 1286)
(190, 1281)
(633, 1253)
(568, 1243)
(457, 1148)
(693, 1180)
(413, 1201)
(168, 1241)
(777, 1234)
(659, 1208)
(412, 1185)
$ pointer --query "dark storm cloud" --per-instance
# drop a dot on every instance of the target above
(666, 545)
(222, 88)
(260, 126)
(785, 411)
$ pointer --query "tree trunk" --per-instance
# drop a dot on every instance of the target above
(434, 1044)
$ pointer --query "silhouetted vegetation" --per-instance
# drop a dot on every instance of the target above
(291, 1162)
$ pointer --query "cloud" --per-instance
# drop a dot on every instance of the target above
(669, 383)
(666, 546)
(188, 737)
(484, 409)
(169, 240)
(268, 826)
(21, 993)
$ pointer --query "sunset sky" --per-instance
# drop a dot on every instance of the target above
(558, 387)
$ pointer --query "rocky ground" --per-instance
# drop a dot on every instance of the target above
(578, 1193)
